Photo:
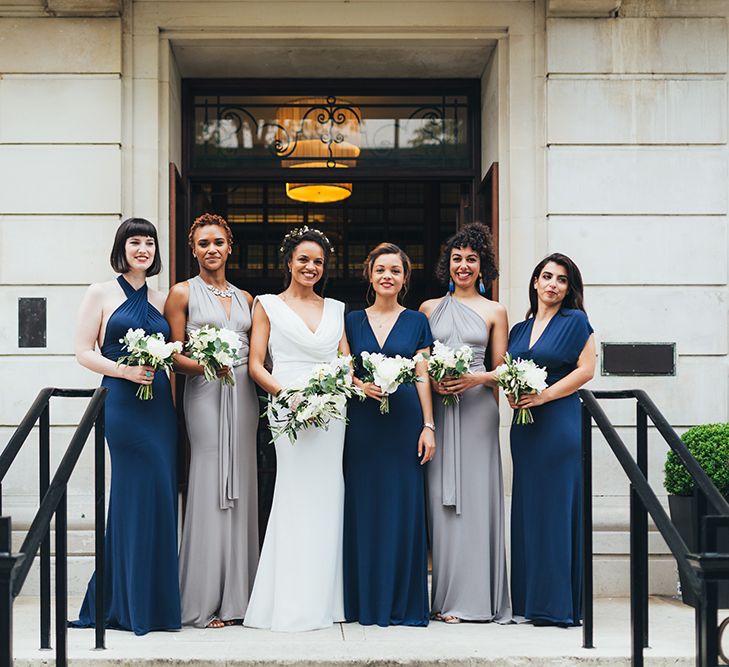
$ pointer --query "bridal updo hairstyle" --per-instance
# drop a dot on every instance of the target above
(574, 298)
(387, 249)
(209, 219)
(476, 236)
(133, 227)
(292, 240)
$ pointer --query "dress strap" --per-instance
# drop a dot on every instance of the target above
(129, 290)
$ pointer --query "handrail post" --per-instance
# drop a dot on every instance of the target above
(587, 601)
(99, 507)
(7, 564)
(44, 480)
(61, 582)
(637, 631)
(641, 423)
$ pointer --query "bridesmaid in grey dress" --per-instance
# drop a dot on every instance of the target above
(219, 550)
(464, 483)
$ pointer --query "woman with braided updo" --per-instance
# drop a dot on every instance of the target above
(299, 581)
(219, 550)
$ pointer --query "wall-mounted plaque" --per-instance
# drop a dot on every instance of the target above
(638, 359)
(32, 322)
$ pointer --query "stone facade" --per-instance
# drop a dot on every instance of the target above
(610, 132)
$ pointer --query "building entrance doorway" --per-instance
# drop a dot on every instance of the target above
(404, 153)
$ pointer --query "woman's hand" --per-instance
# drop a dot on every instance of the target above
(459, 385)
(137, 374)
(372, 390)
(222, 372)
(426, 445)
(528, 401)
(438, 387)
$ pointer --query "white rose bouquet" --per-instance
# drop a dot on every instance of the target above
(147, 350)
(213, 347)
(518, 377)
(321, 399)
(445, 362)
(388, 373)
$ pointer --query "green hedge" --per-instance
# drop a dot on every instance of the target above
(709, 444)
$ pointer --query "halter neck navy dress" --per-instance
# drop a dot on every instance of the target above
(546, 510)
(142, 590)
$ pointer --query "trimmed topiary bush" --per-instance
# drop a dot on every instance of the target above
(709, 444)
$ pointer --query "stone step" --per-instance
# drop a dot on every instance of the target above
(350, 644)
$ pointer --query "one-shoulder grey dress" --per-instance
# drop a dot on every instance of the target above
(465, 486)
(219, 550)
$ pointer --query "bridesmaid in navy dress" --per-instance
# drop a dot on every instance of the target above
(141, 591)
(546, 559)
(385, 550)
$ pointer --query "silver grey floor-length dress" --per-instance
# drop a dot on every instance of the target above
(465, 486)
(219, 550)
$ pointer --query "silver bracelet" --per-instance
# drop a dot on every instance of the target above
(429, 425)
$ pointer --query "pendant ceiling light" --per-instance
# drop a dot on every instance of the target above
(318, 133)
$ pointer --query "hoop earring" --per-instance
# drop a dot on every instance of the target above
(481, 286)
(451, 286)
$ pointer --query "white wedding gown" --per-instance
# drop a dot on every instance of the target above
(298, 585)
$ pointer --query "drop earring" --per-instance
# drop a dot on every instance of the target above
(451, 286)
(481, 286)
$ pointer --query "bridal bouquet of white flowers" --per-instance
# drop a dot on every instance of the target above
(322, 398)
(445, 362)
(147, 350)
(214, 347)
(388, 373)
(518, 377)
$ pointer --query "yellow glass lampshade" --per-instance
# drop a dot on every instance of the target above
(318, 133)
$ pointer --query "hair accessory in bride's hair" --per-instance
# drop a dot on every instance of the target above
(298, 232)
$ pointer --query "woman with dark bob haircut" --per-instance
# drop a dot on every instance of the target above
(546, 560)
(141, 590)
(465, 486)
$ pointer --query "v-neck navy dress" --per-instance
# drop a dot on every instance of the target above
(385, 549)
(142, 591)
(546, 557)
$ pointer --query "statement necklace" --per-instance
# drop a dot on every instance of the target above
(228, 292)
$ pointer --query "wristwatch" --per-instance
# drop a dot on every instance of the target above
(429, 425)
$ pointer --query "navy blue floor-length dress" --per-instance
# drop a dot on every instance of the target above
(142, 590)
(385, 543)
(546, 558)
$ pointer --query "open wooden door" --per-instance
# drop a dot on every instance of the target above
(179, 268)
(490, 215)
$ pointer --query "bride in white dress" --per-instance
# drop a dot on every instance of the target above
(298, 585)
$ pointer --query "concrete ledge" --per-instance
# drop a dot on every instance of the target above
(583, 8)
(84, 7)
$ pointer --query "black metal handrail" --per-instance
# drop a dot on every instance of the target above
(14, 568)
(702, 570)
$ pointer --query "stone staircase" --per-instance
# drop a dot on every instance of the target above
(345, 645)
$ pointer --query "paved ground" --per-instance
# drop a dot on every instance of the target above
(472, 644)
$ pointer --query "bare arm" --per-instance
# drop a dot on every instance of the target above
(499, 343)
(260, 331)
(88, 328)
(176, 316)
(583, 373)
(426, 441)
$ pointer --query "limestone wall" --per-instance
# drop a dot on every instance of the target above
(637, 195)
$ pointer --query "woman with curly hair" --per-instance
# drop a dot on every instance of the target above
(465, 488)
(219, 550)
